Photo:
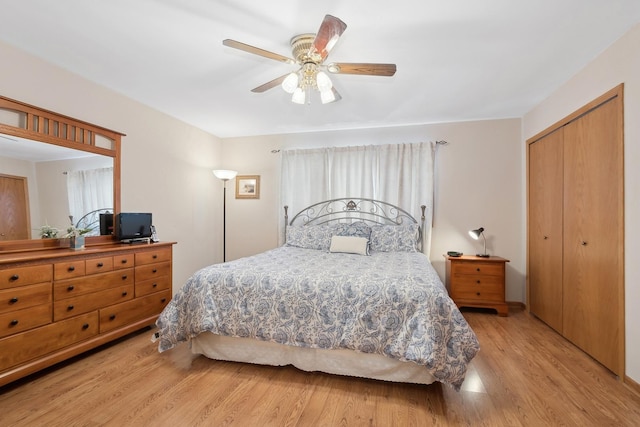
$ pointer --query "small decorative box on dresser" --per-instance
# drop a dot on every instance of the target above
(57, 303)
(474, 281)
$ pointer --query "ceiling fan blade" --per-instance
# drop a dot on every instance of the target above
(257, 51)
(330, 31)
(387, 70)
(270, 85)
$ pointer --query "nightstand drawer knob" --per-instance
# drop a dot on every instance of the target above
(478, 293)
(72, 268)
(478, 282)
(14, 277)
(14, 322)
(478, 269)
(13, 300)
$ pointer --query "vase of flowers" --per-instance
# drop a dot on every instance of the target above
(48, 232)
(76, 235)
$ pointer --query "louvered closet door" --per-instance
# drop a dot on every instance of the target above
(545, 229)
(593, 234)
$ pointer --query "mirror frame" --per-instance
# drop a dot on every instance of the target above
(52, 128)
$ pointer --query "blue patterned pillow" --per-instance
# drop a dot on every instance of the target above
(310, 236)
(354, 229)
(394, 238)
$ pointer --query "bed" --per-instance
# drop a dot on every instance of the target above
(348, 293)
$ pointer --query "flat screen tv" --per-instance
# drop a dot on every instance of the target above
(132, 226)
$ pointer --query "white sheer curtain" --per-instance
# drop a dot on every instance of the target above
(401, 174)
(89, 190)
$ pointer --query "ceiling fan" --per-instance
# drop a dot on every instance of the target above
(310, 52)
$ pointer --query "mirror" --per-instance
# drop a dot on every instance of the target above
(46, 170)
(42, 155)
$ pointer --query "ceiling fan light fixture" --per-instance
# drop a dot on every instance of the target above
(323, 81)
(327, 96)
(290, 83)
(298, 96)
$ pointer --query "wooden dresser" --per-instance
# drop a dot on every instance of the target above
(477, 282)
(57, 303)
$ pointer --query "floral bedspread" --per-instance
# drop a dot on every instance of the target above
(390, 303)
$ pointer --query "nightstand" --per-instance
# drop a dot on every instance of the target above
(477, 282)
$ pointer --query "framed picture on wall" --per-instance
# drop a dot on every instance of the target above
(248, 187)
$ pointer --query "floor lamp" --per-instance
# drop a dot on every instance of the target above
(224, 175)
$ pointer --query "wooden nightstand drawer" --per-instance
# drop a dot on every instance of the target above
(478, 268)
(20, 276)
(473, 291)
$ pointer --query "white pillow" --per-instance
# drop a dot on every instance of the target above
(349, 245)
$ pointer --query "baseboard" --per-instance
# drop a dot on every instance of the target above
(632, 384)
(516, 304)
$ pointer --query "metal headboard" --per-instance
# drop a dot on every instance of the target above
(351, 209)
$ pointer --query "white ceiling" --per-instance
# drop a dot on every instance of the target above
(457, 60)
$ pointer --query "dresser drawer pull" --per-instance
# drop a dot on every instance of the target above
(155, 256)
(70, 288)
(155, 271)
(14, 322)
(13, 300)
(124, 261)
(478, 282)
(71, 268)
(124, 277)
(100, 265)
(478, 293)
(85, 326)
(70, 307)
(124, 294)
(155, 285)
(163, 300)
(14, 277)
(478, 269)
(112, 317)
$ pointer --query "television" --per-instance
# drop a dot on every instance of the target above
(132, 226)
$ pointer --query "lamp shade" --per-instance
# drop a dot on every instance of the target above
(225, 175)
(476, 233)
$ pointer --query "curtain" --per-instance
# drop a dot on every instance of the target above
(89, 190)
(400, 174)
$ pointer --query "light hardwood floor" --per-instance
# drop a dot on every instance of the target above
(524, 375)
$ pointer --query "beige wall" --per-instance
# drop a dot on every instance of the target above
(166, 164)
(478, 183)
(620, 63)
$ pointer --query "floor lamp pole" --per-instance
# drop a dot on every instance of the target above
(224, 222)
(224, 175)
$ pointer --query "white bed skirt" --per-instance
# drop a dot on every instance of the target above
(339, 362)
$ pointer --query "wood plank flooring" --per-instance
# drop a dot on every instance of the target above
(524, 375)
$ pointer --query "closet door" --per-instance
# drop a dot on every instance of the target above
(593, 234)
(545, 229)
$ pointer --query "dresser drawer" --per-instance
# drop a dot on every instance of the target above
(478, 268)
(84, 285)
(25, 346)
(68, 269)
(22, 320)
(149, 257)
(123, 261)
(98, 265)
(20, 276)
(122, 314)
(147, 287)
(84, 303)
(25, 297)
(151, 271)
